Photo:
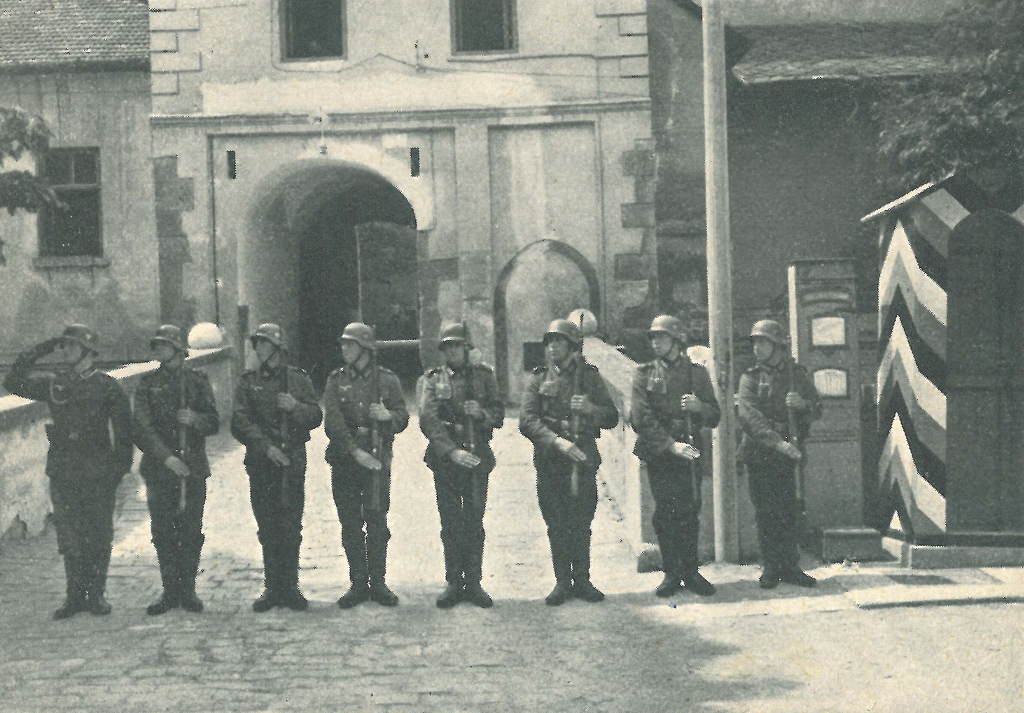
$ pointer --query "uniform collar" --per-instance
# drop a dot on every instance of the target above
(355, 371)
(680, 360)
(271, 371)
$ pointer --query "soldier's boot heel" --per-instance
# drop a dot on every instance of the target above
(265, 602)
(696, 583)
(167, 601)
(98, 604)
(294, 600)
(380, 593)
(70, 607)
(451, 596)
(191, 602)
(559, 595)
(669, 586)
(585, 590)
(356, 594)
(476, 595)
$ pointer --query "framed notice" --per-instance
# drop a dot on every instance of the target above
(828, 331)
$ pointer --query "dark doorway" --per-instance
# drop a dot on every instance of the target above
(329, 274)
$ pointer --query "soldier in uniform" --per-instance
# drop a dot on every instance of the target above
(673, 399)
(459, 410)
(174, 413)
(275, 409)
(565, 391)
(360, 479)
(90, 451)
(768, 391)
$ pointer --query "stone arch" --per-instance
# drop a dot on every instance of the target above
(544, 255)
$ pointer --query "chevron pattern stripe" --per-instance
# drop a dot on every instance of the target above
(912, 326)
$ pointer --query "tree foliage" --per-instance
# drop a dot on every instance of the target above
(22, 132)
(971, 115)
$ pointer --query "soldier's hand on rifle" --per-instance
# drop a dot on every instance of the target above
(795, 401)
(685, 451)
(473, 409)
(365, 459)
(464, 458)
(571, 450)
(378, 412)
(176, 466)
(187, 417)
(691, 403)
(287, 402)
(789, 450)
(581, 403)
(277, 456)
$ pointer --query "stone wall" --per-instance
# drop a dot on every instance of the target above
(24, 490)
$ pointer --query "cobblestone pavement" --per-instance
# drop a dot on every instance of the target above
(632, 653)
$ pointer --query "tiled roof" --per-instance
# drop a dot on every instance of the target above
(73, 33)
(782, 53)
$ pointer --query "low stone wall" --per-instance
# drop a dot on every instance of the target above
(625, 477)
(24, 491)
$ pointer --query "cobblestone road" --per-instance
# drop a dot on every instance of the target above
(632, 653)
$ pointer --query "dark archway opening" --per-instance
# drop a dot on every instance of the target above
(356, 213)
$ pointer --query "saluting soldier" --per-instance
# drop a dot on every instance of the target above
(360, 398)
(768, 392)
(175, 411)
(90, 451)
(275, 409)
(673, 399)
(459, 410)
(564, 393)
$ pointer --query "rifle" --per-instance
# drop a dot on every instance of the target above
(794, 438)
(470, 428)
(576, 426)
(376, 437)
(182, 438)
(284, 444)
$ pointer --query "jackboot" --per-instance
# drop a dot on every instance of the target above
(191, 552)
(563, 572)
(97, 582)
(270, 596)
(376, 559)
(474, 593)
(694, 581)
(75, 600)
(291, 596)
(581, 585)
(672, 582)
(451, 595)
(170, 598)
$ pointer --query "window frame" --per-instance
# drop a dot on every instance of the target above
(511, 31)
(47, 240)
(284, 38)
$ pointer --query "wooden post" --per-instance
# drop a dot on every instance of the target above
(719, 248)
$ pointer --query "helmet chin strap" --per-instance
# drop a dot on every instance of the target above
(277, 349)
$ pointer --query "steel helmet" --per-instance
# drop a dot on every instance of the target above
(170, 334)
(82, 335)
(271, 332)
(454, 332)
(585, 320)
(565, 328)
(769, 329)
(667, 324)
(361, 334)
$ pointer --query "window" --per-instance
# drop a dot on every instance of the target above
(484, 25)
(76, 230)
(313, 29)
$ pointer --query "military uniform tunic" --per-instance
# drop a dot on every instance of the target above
(90, 451)
(659, 421)
(277, 493)
(461, 492)
(543, 419)
(764, 417)
(347, 399)
(177, 537)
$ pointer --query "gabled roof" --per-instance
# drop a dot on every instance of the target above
(782, 53)
(73, 34)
